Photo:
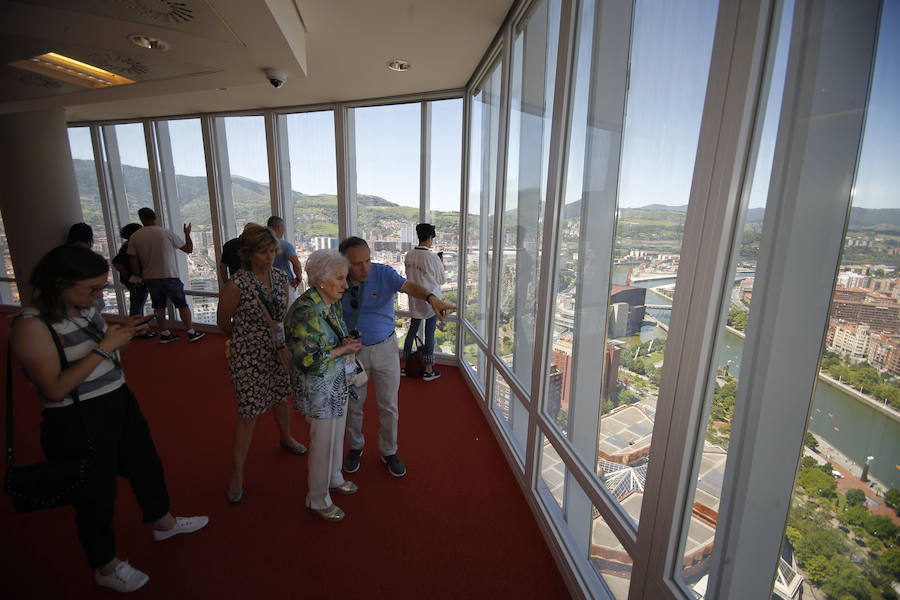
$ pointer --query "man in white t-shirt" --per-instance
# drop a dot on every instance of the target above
(426, 269)
(151, 250)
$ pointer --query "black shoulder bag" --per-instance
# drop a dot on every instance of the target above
(50, 483)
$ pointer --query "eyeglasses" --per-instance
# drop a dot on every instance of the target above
(93, 289)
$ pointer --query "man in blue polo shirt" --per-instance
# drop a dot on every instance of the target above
(368, 307)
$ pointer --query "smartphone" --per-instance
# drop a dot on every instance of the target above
(355, 334)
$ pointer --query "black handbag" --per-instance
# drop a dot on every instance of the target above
(50, 483)
(415, 362)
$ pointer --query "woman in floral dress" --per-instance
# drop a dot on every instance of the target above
(257, 375)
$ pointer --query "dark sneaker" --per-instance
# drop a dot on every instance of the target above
(193, 337)
(431, 376)
(351, 463)
(148, 335)
(402, 371)
(165, 338)
(395, 465)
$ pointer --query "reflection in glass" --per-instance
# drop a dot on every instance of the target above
(474, 357)
(840, 535)
(669, 68)
(531, 108)
(511, 412)
(699, 535)
(588, 532)
(484, 135)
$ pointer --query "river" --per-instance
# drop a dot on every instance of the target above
(854, 427)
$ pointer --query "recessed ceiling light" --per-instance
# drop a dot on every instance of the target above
(398, 64)
(145, 41)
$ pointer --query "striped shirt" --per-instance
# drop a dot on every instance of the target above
(78, 337)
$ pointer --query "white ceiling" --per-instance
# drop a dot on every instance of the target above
(219, 49)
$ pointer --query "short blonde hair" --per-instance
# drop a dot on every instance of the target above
(253, 238)
(322, 264)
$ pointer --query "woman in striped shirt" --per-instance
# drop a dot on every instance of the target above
(66, 283)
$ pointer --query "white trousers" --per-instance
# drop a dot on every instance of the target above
(326, 446)
(382, 362)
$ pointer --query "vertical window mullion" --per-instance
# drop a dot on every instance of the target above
(214, 187)
(425, 164)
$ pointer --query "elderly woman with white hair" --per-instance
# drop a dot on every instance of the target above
(322, 353)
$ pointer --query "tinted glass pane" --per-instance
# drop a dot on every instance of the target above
(484, 135)
(531, 108)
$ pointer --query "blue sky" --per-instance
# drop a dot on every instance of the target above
(669, 67)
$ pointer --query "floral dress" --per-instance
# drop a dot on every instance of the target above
(256, 374)
(312, 329)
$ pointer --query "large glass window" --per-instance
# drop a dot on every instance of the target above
(444, 155)
(248, 168)
(533, 72)
(388, 146)
(841, 534)
(9, 292)
(126, 153)
(88, 190)
(186, 192)
(312, 209)
(484, 127)
(93, 210)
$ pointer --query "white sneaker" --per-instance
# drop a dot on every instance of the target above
(124, 578)
(182, 525)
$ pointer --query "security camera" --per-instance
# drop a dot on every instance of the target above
(276, 77)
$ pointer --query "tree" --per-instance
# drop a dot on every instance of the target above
(845, 580)
(855, 497)
(807, 462)
(889, 561)
(737, 318)
(892, 497)
(816, 483)
(810, 441)
(881, 527)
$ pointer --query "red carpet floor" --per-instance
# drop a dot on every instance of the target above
(456, 526)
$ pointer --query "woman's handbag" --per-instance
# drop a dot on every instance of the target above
(51, 483)
(415, 362)
(361, 378)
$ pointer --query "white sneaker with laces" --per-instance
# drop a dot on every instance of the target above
(182, 525)
(124, 578)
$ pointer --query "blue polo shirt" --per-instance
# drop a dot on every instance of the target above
(283, 258)
(374, 316)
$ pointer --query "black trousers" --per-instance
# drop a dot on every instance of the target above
(122, 446)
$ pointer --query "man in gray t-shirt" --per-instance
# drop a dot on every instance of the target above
(151, 251)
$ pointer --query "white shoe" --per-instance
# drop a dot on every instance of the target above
(124, 578)
(182, 525)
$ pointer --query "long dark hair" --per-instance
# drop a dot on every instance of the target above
(59, 269)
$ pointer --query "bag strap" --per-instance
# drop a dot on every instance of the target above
(261, 304)
(63, 365)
